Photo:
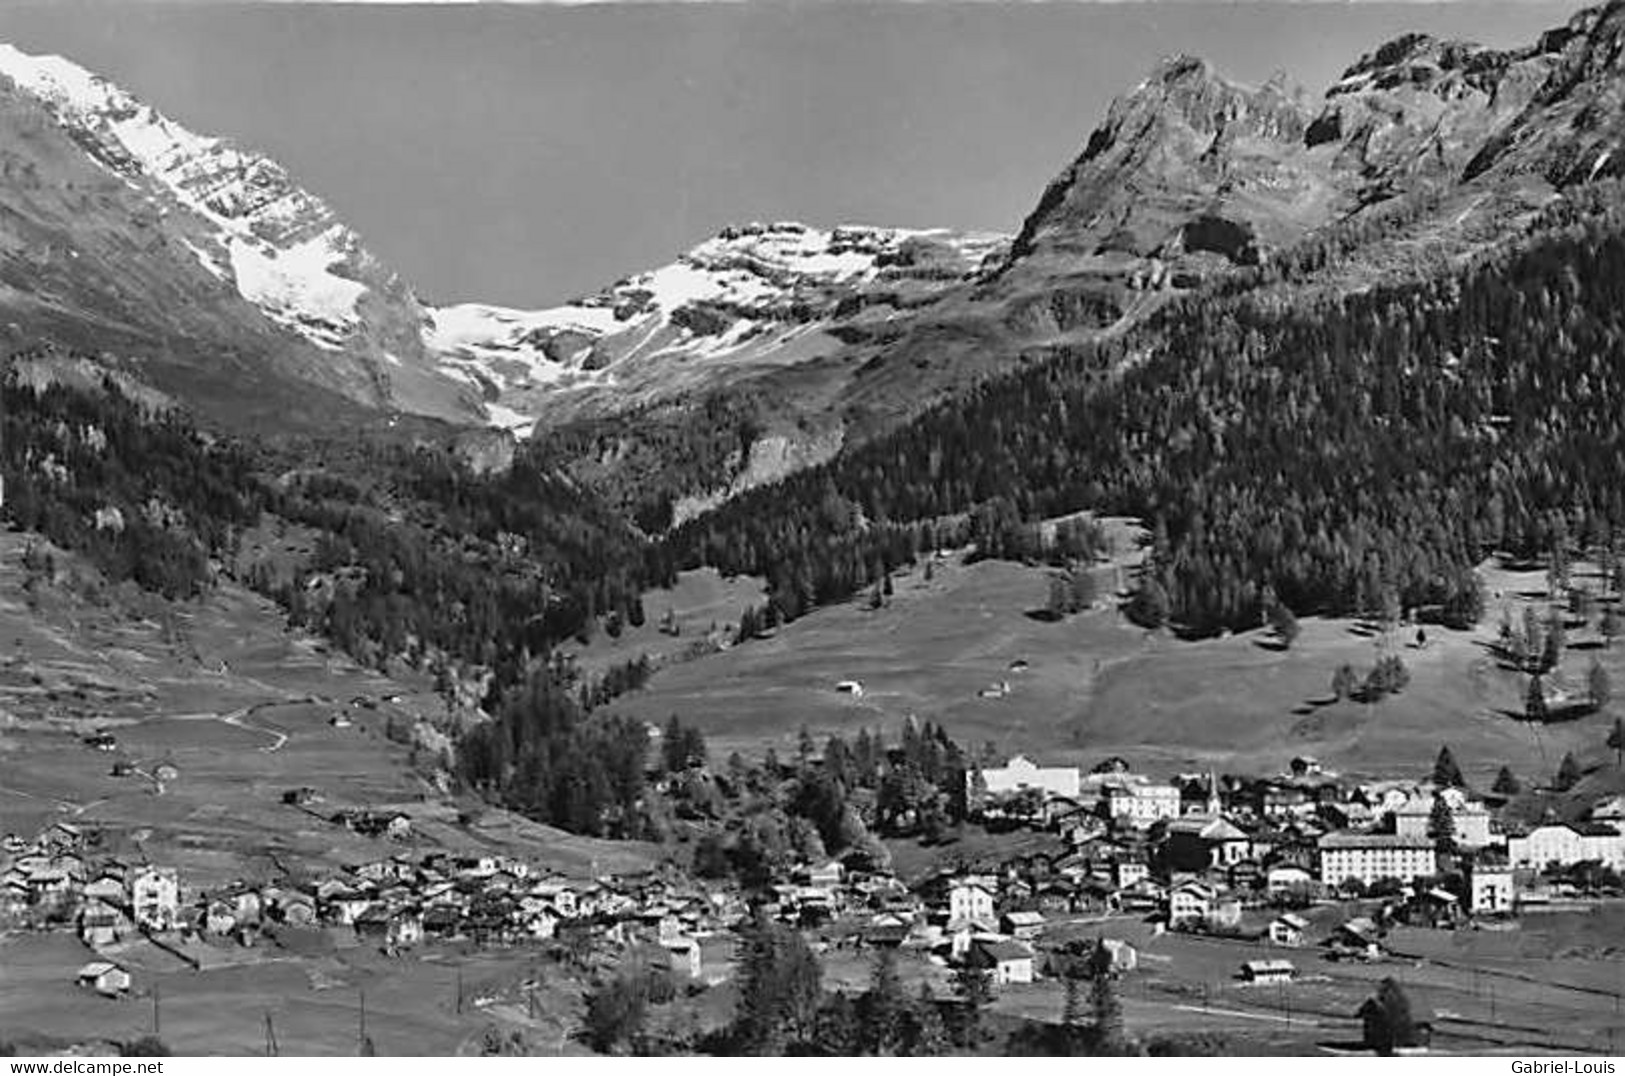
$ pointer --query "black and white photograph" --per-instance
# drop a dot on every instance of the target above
(689, 529)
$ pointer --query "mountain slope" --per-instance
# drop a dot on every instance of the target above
(124, 231)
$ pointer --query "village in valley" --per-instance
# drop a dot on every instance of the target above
(1270, 904)
(350, 899)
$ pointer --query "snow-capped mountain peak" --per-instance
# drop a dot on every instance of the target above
(752, 294)
(282, 248)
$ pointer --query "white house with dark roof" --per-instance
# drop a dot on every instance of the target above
(1024, 925)
(1288, 930)
(102, 923)
(1268, 971)
(1007, 961)
(104, 977)
(1191, 902)
(971, 900)
(1490, 889)
(155, 896)
(1284, 877)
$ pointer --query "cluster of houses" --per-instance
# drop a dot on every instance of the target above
(987, 920)
(1199, 847)
(57, 881)
(54, 879)
(1243, 856)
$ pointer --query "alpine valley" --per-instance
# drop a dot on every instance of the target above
(1279, 451)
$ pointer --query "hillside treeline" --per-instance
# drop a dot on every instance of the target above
(1336, 449)
(413, 552)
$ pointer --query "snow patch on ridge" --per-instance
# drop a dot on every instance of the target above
(739, 294)
(282, 244)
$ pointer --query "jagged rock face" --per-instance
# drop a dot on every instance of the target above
(194, 237)
(1190, 176)
(1187, 162)
(1417, 109)
(753, 296)
(1572, 129)
(1191, 163)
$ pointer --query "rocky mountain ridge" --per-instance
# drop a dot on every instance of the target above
(1436, 148)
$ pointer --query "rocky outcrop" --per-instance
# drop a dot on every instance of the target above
(1186, 144)
(1191, 162)
(1572, 128)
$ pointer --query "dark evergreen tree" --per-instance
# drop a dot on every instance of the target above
(1446, 774)
(973, 987)
(837, 1032)
(1285, 624)
(779, 988)
(616, 1008)
(882, 1009)
(1568, 773)
(927, 1034)
(1344, 682)
(1598, 685)
(1534, 707)
(1442, 825)
(1107, 1009)
(1072, 1010)
(1388, 1020)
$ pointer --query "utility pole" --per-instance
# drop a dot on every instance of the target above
(459, 991)
(157, 1012)
(270, 1036)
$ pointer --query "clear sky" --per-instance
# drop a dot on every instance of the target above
(528, 154)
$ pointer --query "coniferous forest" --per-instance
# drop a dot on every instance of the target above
(1335, 449)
